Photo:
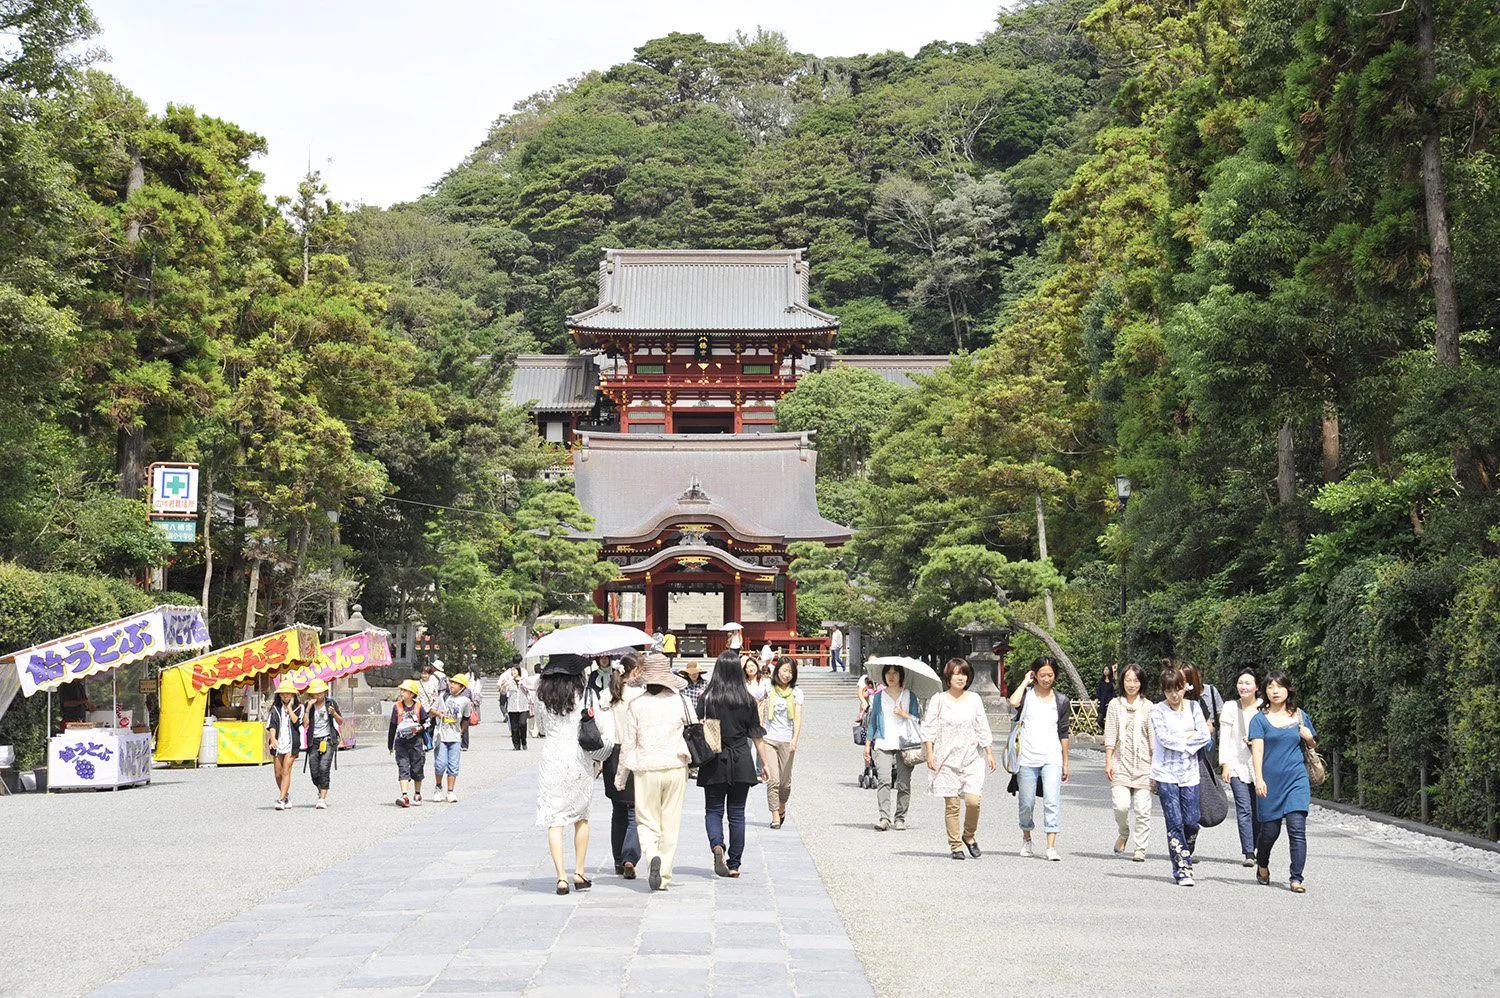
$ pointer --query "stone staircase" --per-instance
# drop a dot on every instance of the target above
(817, 683)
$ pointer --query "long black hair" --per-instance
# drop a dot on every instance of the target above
(559, 692)
(1285, 682)
(726, 691)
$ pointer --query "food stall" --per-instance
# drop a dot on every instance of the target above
(341, 659)
(187, 688)
(112, 754)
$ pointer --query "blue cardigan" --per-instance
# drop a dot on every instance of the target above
(875, 719)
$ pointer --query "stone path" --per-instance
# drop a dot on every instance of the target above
(464, 904)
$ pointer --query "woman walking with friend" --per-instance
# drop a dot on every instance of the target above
(1127, 762)
(1044, 717)
(566, 774)
(1280, 736)
(957, 742)
(324, 722)
(893, 728)
(1178, 731)
(1235, 758)
(727, 778)
(653, 751)
(624, 838)
(781, 712)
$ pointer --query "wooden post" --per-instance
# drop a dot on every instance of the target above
(1333, 758)
(1422, 792)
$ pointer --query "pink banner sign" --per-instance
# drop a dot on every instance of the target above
(344, 657)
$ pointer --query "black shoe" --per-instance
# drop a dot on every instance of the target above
(562, 887)
(958, 854)
(655, 877)
(581, 883)
(619, 869)
(720, 867)
(974, 848)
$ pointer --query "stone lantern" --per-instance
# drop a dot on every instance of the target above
(356, 624)
(983, 640)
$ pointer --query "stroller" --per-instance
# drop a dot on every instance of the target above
(868, 779)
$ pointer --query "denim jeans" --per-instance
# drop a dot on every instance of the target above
(715, 797)
(1296, 836)
(623, 840)
(1179, 805)
(1244, 813)
(445, 758)
(1051, 777)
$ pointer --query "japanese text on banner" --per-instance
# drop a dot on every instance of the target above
(159, 631)
(289, 647)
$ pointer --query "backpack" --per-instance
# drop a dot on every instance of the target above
(413, 730)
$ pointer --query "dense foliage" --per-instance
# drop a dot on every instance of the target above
(1234, 250)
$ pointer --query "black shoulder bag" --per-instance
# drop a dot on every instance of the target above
(698, 750)
(590, 739)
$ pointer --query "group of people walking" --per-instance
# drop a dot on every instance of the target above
(427, 719)
(1151, 750)
(313, 724)
(647, 729)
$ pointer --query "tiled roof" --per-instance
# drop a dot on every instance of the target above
(554, 383)
(895, 368)
(703, 291)
(762, 484)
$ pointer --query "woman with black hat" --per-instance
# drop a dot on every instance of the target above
(653, 750)
(566, 774)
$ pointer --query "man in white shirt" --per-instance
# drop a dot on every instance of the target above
(836, 650)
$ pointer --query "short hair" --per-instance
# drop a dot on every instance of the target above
(785, 660)
(1140, 675)
(1045, 662)
(958, 665)
(1173, 678)
(900, 672)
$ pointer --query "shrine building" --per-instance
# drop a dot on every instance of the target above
(669, 413)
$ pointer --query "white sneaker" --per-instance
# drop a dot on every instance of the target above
(321, 805)
(452, 797)
(1026, 849)
(280, 805)
(416, 801)
(1186, 880)
(1053, 856)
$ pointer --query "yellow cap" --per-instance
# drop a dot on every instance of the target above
(286, 686)
(411, 686)
(317, 686)
(461, 679)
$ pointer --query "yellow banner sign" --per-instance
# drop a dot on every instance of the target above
(291, 646)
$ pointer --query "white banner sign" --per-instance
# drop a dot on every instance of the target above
(162, 630)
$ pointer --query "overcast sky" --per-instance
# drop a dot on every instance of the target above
(386, 96)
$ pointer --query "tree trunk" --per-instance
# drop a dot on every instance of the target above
(1041, 544)
(1286, 478)
(530, 626)
(130, 461)
(251, 598)
(340, 604)
(1057, 653)
(208, 539)
(1332, 445)
(1444, 287)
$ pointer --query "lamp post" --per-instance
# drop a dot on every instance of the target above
(1122, 494)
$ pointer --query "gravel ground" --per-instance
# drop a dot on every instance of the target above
(1424, 845)
(925, 924)
(96, 883)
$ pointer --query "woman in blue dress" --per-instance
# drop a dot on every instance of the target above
(1277, 736)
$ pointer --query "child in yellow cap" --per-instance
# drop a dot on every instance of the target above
(406, 740)
(323, 720)
(284, 739)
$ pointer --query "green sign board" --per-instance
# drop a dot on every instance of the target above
(178, 531)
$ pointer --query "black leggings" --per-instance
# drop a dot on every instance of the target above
(518, 728)
(320, 764)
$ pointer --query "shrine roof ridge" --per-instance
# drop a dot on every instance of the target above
(703, 290)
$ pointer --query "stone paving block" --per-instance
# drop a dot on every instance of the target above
(748, 935)
(832, 984)
(591, 990)
(675, 942)
(212, 986)
(688, 979)
(744, 954)
(302, 986)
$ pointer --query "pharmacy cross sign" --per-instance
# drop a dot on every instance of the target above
(174, 488)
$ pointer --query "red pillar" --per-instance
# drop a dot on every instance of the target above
(667, 425)
(601, 613)
(739, 419)
(732, 601)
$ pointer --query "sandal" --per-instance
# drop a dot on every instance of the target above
(1296, 887)
(581, 883)
(562, 887)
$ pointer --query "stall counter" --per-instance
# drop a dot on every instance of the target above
(242, 743)
(98, 757)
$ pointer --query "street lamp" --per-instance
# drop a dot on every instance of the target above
(1122, 493)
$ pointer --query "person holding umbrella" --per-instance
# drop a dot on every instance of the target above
(959, 749)
(565, 786)
(893, 738)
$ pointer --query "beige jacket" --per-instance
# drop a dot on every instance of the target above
(1128, 732)
(650, 734)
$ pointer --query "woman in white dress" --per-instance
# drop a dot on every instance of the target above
(959, 748)
(566, 775)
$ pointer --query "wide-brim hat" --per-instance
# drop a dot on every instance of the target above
(565, 665)
(460, 679)
(286, 686)
(411, 686)
(656, 671)
(317, 686)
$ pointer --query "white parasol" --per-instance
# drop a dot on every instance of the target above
(590, 641)
(730, 626)
(920, 678)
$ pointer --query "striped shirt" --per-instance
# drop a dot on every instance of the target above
(1176, 737)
